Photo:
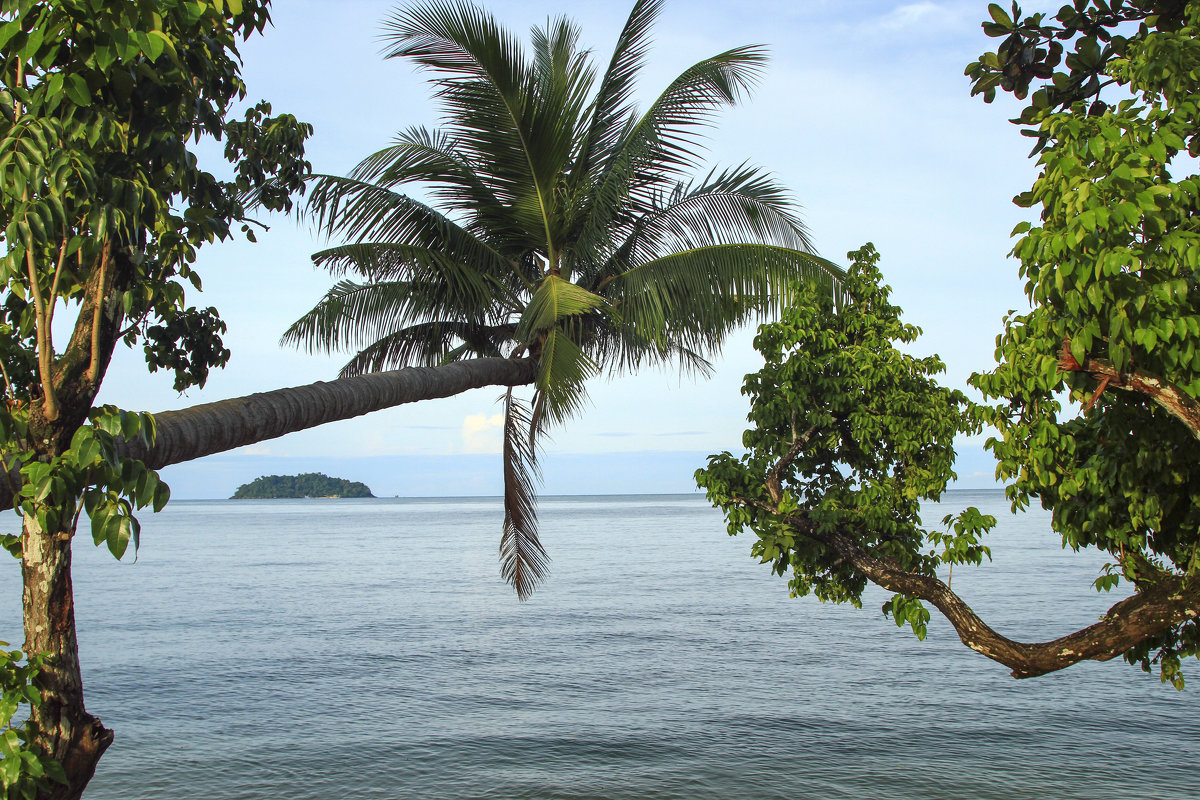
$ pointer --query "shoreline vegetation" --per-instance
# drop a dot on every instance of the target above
(308, 484)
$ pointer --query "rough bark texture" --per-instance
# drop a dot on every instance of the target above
(62, 725)
(1156, 606)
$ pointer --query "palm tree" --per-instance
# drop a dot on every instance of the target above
(563, 226)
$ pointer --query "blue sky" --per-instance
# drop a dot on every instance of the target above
(864, 112)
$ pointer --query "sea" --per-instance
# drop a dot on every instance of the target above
(368, 649)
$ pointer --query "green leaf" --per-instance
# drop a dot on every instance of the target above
(555, 300)
(999, 16)
(77, 89)
(118, 531)
(100, 519)
(162, 494)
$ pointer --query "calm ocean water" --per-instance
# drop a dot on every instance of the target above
(367, 649)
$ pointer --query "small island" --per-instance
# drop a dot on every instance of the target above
(310, 484)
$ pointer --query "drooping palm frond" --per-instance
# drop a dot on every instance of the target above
(353, 315)
(738, 205)
(363, 212)
(471, 290)
(431, 158)
(459, 40)
(523, 560)
(691, 299)
(561, 382)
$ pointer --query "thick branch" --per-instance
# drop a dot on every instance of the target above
(773, 482)
(93, 370)
(1157, 606)
(1171, 398)
(1154, 609)
(58, 269)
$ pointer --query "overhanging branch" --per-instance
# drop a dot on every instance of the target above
(1157, 605)
(1153, 609)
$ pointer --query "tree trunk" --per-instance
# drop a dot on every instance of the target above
(61, 726)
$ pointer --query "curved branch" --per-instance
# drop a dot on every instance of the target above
(774, 475)
(1153, 609)
(1159, 604)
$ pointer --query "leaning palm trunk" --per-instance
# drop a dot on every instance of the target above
(210, 428)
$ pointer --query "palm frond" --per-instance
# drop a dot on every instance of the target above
(660, 148)
(473, 288)
(428, 344)
(563, 371)
(738, 205)
(353, 315)
(768, 208)
(626, 345)
(430, 158)
(457, 39)
(361, 211)
(564, 76)
(611, 109)
(691, 299)
(554, 300)
(490, 95)
(523, 560)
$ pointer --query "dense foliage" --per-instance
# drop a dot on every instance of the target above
(1113, 271)
(308, 484)
(23, 770)
(103, 204)
(1096, 396)
(849, 436)
(102, 208)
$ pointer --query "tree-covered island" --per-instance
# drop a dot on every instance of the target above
(310, 484)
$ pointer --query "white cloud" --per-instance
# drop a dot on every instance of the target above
(924, 16)
(481, 433)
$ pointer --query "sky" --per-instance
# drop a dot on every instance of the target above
(863, 112)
